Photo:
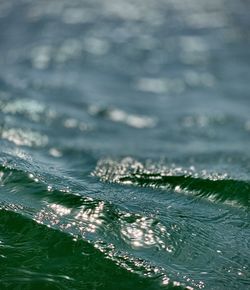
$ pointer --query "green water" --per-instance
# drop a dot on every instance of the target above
(124, 144)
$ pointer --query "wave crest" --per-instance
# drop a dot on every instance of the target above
(214, 186)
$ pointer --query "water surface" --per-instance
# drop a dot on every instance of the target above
(124, 144)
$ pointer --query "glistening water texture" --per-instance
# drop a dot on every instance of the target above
(124, 144)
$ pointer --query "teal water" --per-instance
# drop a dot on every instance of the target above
(124, 144)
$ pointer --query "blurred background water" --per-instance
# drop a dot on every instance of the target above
(124, 144)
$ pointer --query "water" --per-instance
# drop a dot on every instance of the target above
(124, 149)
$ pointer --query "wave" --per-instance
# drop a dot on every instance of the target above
(83, 235)
(213, 186)
(47, 254)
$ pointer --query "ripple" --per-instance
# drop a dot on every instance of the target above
(145, 232)
(213, 186)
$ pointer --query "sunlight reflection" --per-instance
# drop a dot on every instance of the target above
(90, 219)
(34, 110)
(144, 232)
(120, 116)
(24, 137)
(86, 219)
(60, 210)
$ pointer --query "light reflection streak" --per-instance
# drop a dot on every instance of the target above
(1, 178)
(85, 220)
